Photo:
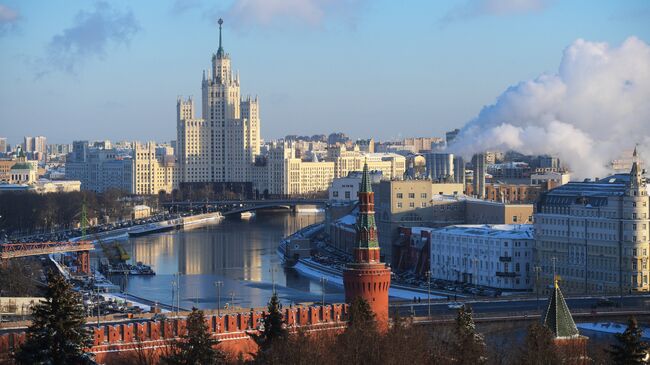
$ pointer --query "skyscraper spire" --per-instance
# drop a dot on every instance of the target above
(220, 51)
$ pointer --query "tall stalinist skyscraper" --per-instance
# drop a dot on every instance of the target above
(222, 145)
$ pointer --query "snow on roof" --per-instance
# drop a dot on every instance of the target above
(349, 219)
(503, 231)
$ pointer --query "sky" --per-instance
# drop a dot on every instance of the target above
(72, 70)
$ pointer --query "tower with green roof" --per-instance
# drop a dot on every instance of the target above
(366, 276)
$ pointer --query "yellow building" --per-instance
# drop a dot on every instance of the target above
(151, 174)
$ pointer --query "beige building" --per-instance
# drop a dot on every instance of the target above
(285, 174)
(595, 234)
(56, 186)
(151, 174)
(222, 145)
(392, 165)
(412, 203)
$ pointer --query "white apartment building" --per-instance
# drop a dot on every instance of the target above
(220, 146)
(152, 174)
(497, 256)
(595, 234)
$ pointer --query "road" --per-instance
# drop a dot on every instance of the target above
(505, 306)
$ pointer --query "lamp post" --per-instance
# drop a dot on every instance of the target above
(428, 275)
(323, 282)
(218, 284)
(537, 270)
(273, 270)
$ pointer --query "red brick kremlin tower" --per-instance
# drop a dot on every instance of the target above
(366, 276)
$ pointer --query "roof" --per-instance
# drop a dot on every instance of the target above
(558, 317)
(22, 166)
(594, 193)
(501, 231)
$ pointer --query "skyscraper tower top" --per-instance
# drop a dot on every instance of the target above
(220, 51)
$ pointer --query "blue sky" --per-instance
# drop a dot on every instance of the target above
(387, 69)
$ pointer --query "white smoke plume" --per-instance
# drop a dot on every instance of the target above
(594, 108)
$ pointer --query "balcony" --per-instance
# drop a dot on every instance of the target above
(505, 258)
(506, 274)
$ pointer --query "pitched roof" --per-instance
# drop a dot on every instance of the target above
(558, 317)
(365, 180)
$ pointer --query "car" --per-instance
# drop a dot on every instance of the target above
(605, 302)
(455, 305)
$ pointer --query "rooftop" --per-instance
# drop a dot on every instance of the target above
(503, 231)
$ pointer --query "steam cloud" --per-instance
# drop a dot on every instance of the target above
(594, 108)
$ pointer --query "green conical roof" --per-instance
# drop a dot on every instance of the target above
(365, 180)
(558, 317)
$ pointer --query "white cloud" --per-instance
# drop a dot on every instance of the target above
(90, 35)
(476, 8)
(592, 109)
(8, 19)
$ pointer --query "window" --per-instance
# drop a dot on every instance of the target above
(399, 195)
(335, 194)
(514, 218)
(399, 205)
(423, 195)
(347, 195)
(411, 195)
(424, 204)
(412, 205)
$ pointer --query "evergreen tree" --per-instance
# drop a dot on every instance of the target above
(197, 346)
(468, 346)
(630, 349)
(273, 322)
(57, 335)
(361, 316)
(539, 348)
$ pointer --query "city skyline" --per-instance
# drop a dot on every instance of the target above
(82, 45)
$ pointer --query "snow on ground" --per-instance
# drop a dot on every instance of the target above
(121, 299)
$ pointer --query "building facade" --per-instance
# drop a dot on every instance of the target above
(152, 173)
(496, 256)
(99, 169)
(220, 146)
(595, 234)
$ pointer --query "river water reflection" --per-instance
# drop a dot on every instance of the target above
(240, 253)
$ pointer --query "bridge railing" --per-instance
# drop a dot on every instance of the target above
(13, 250)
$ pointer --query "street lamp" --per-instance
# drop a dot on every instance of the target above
(218, 284)
(273, 270)
(537, 270)
(323, 282)
(428, 275)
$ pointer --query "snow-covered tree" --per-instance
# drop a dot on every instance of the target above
(469, 345)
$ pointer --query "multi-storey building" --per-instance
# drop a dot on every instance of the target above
(497, 256)
(151, 173)
(282, 173)
(445, 167)
(595, 234)
(391, 165)
(478, 162)
(3, 145)
(220, 146)
(345, 189)
(99, 169)
(412, 203)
